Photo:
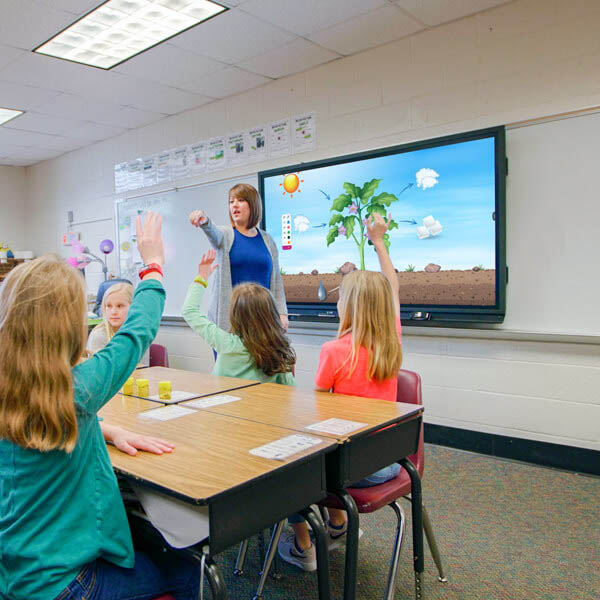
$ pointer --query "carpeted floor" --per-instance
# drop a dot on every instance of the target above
(506, 531)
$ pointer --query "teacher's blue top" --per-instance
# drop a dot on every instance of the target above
(250, 260)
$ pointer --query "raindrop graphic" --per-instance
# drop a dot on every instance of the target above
(321, 292)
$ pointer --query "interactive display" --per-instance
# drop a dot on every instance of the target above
(445, 199)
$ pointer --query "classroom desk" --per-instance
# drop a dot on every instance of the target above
(212, 466)
(390, 434)
(199, 384)
(122, 405)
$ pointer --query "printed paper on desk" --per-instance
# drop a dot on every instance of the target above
(167, 413)
(213, 401)
(175, 397)
(336, 426)
(284, 447)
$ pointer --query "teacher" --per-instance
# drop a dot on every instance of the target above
(245, 253)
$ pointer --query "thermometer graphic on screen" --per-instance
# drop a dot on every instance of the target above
(286, 231)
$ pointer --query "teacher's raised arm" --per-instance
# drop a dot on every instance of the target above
(245, 253)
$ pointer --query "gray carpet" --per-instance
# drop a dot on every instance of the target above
(506, 531)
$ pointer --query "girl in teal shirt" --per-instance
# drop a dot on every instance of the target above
(63, 528)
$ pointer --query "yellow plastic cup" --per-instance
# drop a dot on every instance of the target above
(143, 388)
(128, 387)
(164, 390)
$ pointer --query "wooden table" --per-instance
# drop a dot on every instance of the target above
(122, 405)
(390, 434)
(212, 466)
(199, 384)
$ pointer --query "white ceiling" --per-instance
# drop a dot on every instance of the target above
(69, 105)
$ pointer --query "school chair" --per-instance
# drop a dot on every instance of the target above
(370, 499)
(159, 357)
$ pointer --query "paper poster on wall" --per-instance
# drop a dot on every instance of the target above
(257, 143)
(163, 167)
(134, 174)
(121, 171)
(198, 155)
(216, 153)
(236, 149)
(279, 138)
(179, 163)
(149, 170)
(304, 132)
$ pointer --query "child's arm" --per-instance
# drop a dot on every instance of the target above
(217, 338)
(199, 218)
(130, 442)
(376, 228)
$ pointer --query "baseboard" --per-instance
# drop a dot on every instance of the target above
(581, 460)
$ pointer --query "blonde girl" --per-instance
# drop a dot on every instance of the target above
(363, 361)
(256, 347)
(115, 306)
(63, 529)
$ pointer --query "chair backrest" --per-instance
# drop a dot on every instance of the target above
(409, 391)
(159, 357)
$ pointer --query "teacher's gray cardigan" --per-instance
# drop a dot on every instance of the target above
(219, 285)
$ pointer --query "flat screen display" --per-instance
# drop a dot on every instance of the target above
(444, 199)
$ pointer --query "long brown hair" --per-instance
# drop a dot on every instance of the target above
(42, 336)
(367, 312)
(249, 194)
(254, 318)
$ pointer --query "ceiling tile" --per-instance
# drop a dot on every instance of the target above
(8, 54)
(65, 144)
(308, 16)
(23, 153)
(131, 118)
(151, 96)
(299, 55)
(435, 12)
(17, 137)
(226, 82)
(231, 37)
(378, 27)
(26, 24)
(77, 7)
(32, 121)
(169, 65)
(23, 97)
(94, 132)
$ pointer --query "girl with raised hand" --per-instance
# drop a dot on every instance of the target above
(256, 347)
(63, 528)
(363, 360)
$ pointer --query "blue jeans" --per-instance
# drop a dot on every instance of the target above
(376, 478)
(102, 580)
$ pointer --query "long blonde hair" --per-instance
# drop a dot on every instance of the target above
(124, 288)
(367, 312)
(42, 336)
(255, 320)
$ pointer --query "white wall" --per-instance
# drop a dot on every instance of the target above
(12, 207)
(523, 60)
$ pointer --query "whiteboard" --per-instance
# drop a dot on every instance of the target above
(553, 220)
(184, 244)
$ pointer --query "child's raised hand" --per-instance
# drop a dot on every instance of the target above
(376, 227)
(198, 217)
(206, 266)
(149, 238)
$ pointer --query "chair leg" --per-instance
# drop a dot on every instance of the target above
(391, 584)
(322, 552)
(269, 558)
(241, 559)
(433, 546)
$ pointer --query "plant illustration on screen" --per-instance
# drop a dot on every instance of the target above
(352, 210)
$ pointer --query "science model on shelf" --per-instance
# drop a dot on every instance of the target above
(290, 135)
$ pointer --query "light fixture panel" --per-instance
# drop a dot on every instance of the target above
(6, 114)
(117, 30)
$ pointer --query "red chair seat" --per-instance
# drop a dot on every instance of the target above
(370, 499)
(165, 597)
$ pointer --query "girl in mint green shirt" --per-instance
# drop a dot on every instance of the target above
(63, 529)
(256, 347)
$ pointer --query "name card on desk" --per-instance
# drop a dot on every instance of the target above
(167, 413)
(336, 426)
(287, 446)
(213, 401)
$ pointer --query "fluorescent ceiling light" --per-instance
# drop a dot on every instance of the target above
(119, 29)
(6, 114)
